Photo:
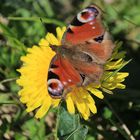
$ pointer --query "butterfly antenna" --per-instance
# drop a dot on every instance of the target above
(42, 22)
(48, 33)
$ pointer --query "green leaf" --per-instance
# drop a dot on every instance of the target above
(35, 129)
(79, 134)
(12, 38)
(90, 138)
(107, 113)
(19, 136)
(46, 5)
(70, 127)
(5, 99)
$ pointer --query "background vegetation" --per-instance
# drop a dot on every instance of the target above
(20, 27)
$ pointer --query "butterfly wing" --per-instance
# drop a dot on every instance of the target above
(62, 76)
(90, 43)
(85, 26)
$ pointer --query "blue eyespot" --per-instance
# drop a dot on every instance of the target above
(55, 88)
(87, 14)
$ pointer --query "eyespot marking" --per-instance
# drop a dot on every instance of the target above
(87, 14)
(55, 87)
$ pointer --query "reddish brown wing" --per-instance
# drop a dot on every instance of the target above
(85, 26)
(99, 52)
(87, 38)
(62, 76)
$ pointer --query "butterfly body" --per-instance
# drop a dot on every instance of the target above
(86, 46)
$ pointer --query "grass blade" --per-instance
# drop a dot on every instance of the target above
(37, 19)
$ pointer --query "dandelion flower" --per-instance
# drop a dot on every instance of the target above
(34, 74)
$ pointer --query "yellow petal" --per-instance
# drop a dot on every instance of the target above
(121, 75)
(78, 101)
(114, 64)
(43, 42)
(109, 86)
(94, 85)
(112, 86)
(63, 29)
(87, 113)
(44, 108)
(52, 39)
(96, 92)
(118, 77)
(36, 105)
(107, 90)
(91, 104)
(85, 116)
(80, 106)
(70, 105)
(120, 86)
(55, 102)
(59, 33)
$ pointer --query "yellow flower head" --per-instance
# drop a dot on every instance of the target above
(34, 74)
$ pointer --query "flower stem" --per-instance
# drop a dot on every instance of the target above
(128, 135)
(119, 129)
(57, 121)
(8, 80)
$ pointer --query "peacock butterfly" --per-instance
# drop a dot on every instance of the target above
(79, 61)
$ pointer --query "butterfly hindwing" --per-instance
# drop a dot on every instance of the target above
(62, 75)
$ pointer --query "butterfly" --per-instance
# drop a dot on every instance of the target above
(79, 61)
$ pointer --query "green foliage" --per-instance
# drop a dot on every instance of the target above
(107, 113)
(70, 127)
(22, 24)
